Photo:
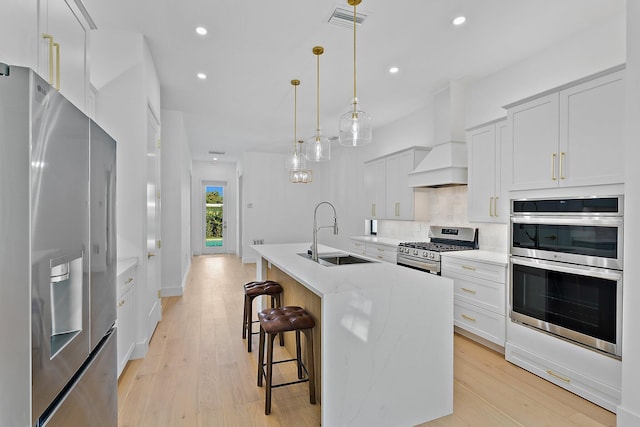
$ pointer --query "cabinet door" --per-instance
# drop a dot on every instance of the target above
(482, 173)
(126, 328)
(18, 30)
(591, 132)
(501, 201)
(69, 29)
(399, 196)
(534, 135)
(375, 187)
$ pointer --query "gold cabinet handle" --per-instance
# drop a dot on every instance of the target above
(471, 319)
(373, 209)
(57, 46)
(380, 249)
(466, 267)
(558, 376)
(553, 166)
(562, 154)
(49, 38)
(150, 254)
(495, 206)
(469, 291)
(120, 303)
(490, 206)
(380, 257)
(129, 280)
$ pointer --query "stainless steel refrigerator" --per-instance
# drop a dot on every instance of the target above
(66, 189)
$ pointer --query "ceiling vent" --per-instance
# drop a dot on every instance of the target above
(344, 17)
(216, 153)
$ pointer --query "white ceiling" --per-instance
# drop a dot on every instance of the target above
(254, 49)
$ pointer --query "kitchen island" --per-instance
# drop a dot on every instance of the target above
(385, 334)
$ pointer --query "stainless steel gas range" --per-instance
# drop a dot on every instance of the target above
(425, 256)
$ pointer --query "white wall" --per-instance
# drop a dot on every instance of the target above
(221, 172)
(598, 48)
(629, 409)
(127, 87)
(176, 210)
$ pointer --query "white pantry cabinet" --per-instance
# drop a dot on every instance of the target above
(479, 296)
(569, 136)
(487, 196)
(63, 35)
(126, 316)
(386, 184)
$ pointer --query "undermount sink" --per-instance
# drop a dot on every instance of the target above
(337, 258)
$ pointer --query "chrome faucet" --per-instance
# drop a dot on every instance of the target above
(314, 245)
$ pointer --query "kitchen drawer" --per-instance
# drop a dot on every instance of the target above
(483, 323)
(358, 247)
(126, 280)
(455, 267)
(480, 292)
(382, 252)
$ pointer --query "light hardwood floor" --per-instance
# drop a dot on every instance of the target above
(198, 372)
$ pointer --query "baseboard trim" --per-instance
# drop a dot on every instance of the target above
(625, 418)
(247, 260)
(175, 291)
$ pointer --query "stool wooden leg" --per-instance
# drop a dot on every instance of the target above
(267, 403)
(279, 302)
(249, 319)
(308, 334)
(261, 357)
(244, 319)
(298, 355)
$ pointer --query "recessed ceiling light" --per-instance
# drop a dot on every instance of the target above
(201, 30)
(459, 20)
(394, 70)
(202, 76)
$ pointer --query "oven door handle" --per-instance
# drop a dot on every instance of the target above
(561, 267)
(428, 266)
(597, 221)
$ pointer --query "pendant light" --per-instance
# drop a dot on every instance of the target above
(302, 175)
(355, 125)
(296, 161)
(318, 146)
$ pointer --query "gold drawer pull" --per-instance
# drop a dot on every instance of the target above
(470, 291)
(464, 316)
(466, 267)
(380, 257)
(381, 250)
(558, 376)
(129, 280)
(553, 166)
(120, 303)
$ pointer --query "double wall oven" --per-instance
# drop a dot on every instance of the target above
(566, 269)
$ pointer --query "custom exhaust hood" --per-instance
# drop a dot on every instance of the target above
(446, 163)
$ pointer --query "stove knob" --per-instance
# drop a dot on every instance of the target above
(432, 255)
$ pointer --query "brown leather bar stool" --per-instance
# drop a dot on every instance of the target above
(275, 321)
(251, 291)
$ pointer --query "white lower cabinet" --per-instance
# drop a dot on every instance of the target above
(382, 252)
(358, 247)
(587, 373)
(479, 297)
(126, 321)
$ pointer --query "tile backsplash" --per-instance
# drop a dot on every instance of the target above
(445, 206)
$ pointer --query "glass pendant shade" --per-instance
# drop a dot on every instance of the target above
(301, 176)
(356, 127)
(296, 159)
(318, 148)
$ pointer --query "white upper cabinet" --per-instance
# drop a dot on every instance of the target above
(63, 48)
(571, 136)
(386, 184)
(375, 187)
(18, 30)
(487, 201)
(591, 132)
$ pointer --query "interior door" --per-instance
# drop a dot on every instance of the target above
(153, 222)
(214, 223)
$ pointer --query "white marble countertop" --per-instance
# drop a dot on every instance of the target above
(387, 338)
(499, 258)
(387, 241)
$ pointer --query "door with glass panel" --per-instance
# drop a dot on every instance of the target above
(214, 224)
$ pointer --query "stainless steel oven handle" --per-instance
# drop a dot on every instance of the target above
(598, 221)
(428, 266)
(561, 267)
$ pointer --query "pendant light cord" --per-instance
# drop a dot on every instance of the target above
(318, 95)
(354, 54)
(295, 118)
